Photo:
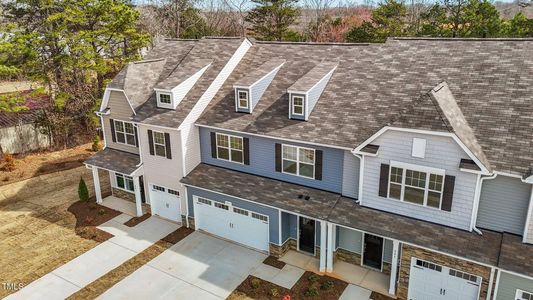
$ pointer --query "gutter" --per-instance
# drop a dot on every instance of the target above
(477, 198)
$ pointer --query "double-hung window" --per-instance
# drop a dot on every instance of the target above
(415, 184)
(298, 161)
(230, 148)
(523, 295)
(160, 148)
(124, 182)
(124, 133)
(242, 99)
(298, 105)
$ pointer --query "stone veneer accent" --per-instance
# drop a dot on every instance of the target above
(279, 251)
(123, 194)
(355, 259)
(441, 259)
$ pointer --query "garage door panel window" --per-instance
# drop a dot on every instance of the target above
(428, 265)
(416, 186)
(205, 201)
(124, 182)
(230, 148)
(221, 206)
(173, 192)
(523, 295)
(158, 188)
(464, 276)
(240, 211)
(260, 217)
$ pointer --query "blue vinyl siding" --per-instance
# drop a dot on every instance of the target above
(273, 214)
(263, 160)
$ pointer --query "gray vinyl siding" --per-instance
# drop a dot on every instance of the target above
(273, 214)
(246, 110)
(510, 283)
(529, 236)
(262, 161)
(387, 250)
(503, 204)
(352, 240)
(297, 117)
(161, 170)
(350, 176)
(259, 88)
(315, 92)
(441, 152)
(119, 110)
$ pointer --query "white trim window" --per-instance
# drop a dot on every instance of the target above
(124, 182)
(230, 148)
(164, 98)
(298, 105)
(298, 161)
(124, 133)
(242, 99)
(523, 295)
(160, 148)
(416, 184)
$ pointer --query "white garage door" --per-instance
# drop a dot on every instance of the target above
(165, 202)
(428, 281)
(233, 223)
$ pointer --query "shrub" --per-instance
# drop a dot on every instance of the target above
(9, 163)
(274, 292)
(311, 292)
(312, 278)
(101, 212)
(326, 285)
(96, 144)
(83, 193)
(256, 283)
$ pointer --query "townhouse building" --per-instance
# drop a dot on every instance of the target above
(411, 158)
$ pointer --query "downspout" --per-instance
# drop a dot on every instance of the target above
(477, 198)
(361, 167)
(139, 143)
(491, 282)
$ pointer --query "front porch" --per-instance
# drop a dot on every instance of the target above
(125, 206)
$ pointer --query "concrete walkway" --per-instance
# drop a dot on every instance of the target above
(86, 268)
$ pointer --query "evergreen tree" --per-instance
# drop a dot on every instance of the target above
(271, 19)
(83, 192)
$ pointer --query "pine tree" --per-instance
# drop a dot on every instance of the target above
(271, 19)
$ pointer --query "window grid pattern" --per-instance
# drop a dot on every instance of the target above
(160, 148)
(158, 188)
(523, 295)
(298, 161)
(124, 133)
(297, 105)
(230, 148)
(204, 201)
(240, 211)
(260, 217)
(124, 182)
(422, 188)
(428, 265)
(243, 99)
(221, 206)
(164, 98)
(463, 275)
(173, 192)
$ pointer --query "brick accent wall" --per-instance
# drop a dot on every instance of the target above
(448, 261)
(123, 194)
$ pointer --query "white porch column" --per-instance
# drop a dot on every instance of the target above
(394, 266)
(323, 249)
(138, 198)
(331, 245)
(96, 182)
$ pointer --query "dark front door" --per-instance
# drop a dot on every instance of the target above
(141, 183)
(306, 241)
(373, 251)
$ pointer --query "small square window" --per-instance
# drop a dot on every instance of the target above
(164, 98)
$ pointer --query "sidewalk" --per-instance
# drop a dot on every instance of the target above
(79, 272)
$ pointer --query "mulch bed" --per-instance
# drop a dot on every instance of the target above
(378, 296)
(177, 235)
(136, 220)
(88, 216)
(274, 262)
(309, 286)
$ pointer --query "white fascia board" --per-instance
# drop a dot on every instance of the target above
(162, 90)
(528, 218)
(484, 169)
(327, 75)
(196, 75)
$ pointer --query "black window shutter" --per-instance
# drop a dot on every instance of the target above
(136, 137)
(150, 142)
(112, 126)
(447, 193)
(246, 150)
(384, 181)
(213, 144)
(318, 164)
(167, 145)
(278, 157)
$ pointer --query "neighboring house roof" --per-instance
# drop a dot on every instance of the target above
(115, 160)
(491, 248)
(217, 50)
(375, 86)
(10, 119)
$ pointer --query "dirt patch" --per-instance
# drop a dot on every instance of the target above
(40, 163)
(274, 262)
(378, 296)
(256, 288)
(136, 220)
(102, 284)
(88, 216)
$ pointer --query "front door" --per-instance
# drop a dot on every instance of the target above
(373, 251)
(141, 183)
(306, 238)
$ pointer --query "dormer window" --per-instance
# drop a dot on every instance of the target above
(298, 105)
(165, 98)
(242, 101)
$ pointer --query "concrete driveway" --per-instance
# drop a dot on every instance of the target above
(198, 267)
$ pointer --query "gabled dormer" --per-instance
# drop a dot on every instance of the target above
(250, 88)
(305, 92)
(173, 89)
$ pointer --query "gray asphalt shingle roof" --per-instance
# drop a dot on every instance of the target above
(115, 160)
(255, 74)
(387, 85)
(311, 78)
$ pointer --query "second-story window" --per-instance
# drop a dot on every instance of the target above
(423, 187)
(242, 99)
(298, 105)
(159, 144)
(230, 148)
(298, 161)
(165, 99)
(124, 133)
